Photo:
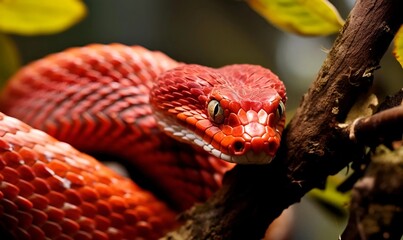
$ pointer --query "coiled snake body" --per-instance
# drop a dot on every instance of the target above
(174, 122)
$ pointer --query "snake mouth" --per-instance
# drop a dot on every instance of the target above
(249, 157)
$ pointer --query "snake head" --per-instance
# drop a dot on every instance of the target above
(236, 113)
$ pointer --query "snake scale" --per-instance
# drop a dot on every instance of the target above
(174, 122)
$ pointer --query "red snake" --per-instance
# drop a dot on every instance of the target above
(174, 122)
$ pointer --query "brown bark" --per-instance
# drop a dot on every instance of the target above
(313, 145)
(376, 210)
(382, 127)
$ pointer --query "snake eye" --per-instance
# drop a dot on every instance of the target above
(280, 110)
(215, 111)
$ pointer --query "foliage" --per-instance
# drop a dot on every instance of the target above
(309, 18)
(32, 17)
(314, 17)
(330, 196)
(9, 58)
(398, 46)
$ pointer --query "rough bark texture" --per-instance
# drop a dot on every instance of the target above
(376, 210)
(313, 145)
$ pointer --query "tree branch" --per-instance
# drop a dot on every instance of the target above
(376, 210)
(384, 126)
(313, 146)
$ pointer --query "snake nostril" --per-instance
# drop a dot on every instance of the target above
(238, 146)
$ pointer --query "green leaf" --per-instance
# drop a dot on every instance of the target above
(303, 17)
(30, 17)
(398, 46)
(9, 58)
(330, 197)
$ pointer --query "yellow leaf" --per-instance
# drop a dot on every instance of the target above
(9, 58)
(398, 46)
(29, 17)
(304, 17)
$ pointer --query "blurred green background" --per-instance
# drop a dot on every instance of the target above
(216, 33)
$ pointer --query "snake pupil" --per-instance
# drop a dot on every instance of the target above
(280, 109)
(215, 111)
